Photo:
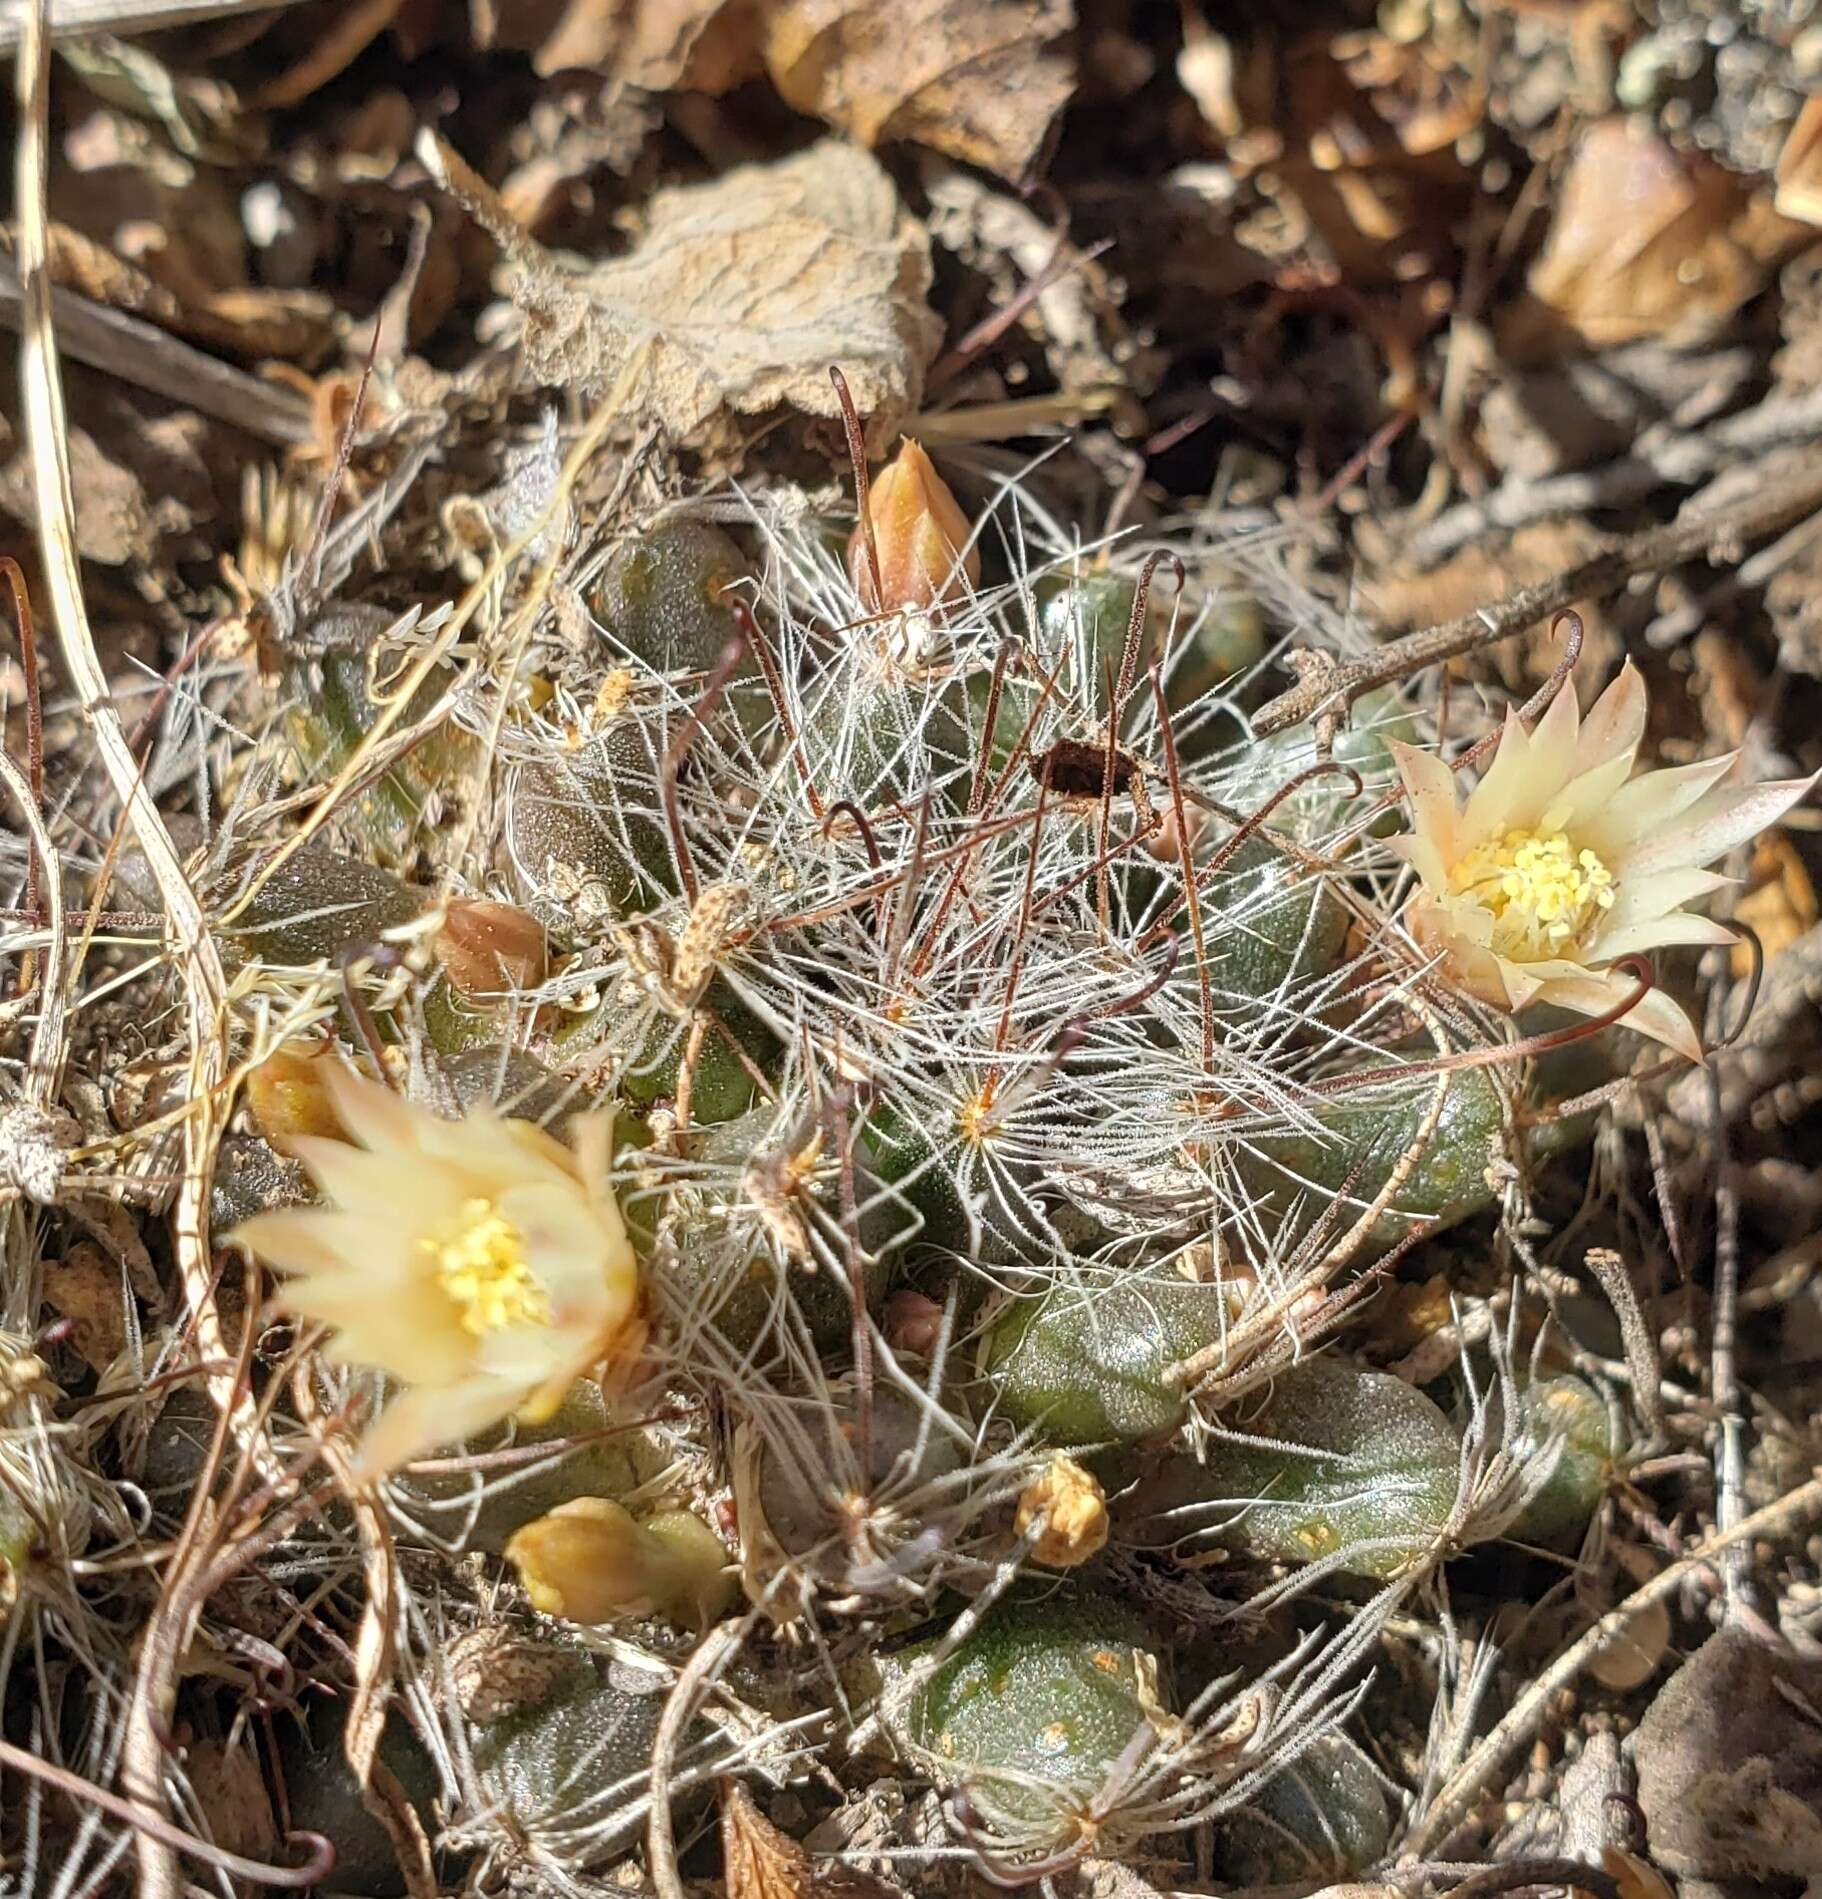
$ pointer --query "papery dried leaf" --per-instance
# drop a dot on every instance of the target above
(84, 1289)
(1646, 241)
(1780, 903)
(232, 1795)
(656, 45)
(741, 294)
(761, 1862)
(978, 79)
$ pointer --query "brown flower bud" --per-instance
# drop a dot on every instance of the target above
(919, 529)
(289, 1096)
(490, 949)
(1074, 1508)
(590, 1561)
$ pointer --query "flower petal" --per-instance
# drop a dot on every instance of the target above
(577, 1248)
(1431, 787)
(1711, 827)
(1615, 725)
(1664, 932)
(1552, 757)
(1419, 850)
(373, 1114)
(425, 1418)
(1637, 899)
(1508, 784)
(1657, 1015)
(1638, 811)
(433, 1353)
(497, 1152)
(395, 1189)
(294, 1239)
(1584, 798)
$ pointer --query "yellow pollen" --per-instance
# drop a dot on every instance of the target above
(480, 1262)
(1544, 894)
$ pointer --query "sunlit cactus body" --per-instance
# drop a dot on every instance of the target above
(992, 1050)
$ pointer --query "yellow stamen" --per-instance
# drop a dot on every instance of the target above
(1544, 894)
(480, 1262)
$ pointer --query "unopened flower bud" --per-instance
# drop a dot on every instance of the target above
(490, 949)
(914, 1323)
(590, 1561)
(289, 1095)
(1074, 1508)
(919, 530)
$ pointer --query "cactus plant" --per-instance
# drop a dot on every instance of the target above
(1333, 1464)
(869, 1107)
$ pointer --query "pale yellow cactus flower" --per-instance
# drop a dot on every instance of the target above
(1560, 861)
(479, 1262)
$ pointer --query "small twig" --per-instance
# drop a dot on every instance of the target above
(996, 323)
(152, 359)
(1329, 686)
(1775, 1520)
(84, 1793)
(34, 714)
(1192, 896)
(1652, 462)
(1521, 1874)
(1642, 1364)
(48, 1039)
(1723, 1370)
(678, 751)
(857, 460)
(694, 1678)
(311, 573)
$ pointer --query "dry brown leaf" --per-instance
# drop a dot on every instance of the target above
(227, 1784)
(763, 1863)
(978, 79)
(84, 1288)
(656, 45)
(1779, 902)
(117, 524)
(1646, 241)
(740, 295)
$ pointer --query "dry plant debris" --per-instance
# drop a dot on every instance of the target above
(737, 297)
(836, 838)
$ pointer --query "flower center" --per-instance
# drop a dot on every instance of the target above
(1543, 893)
(480, 1262)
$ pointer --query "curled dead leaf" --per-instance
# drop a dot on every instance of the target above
(740, 295)
(1636, 1878)
(227, 1785)
(980, 80)
(763, 1863)
(1646, 241)
(1779, 902)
